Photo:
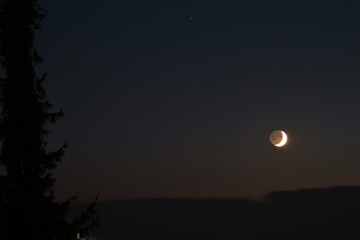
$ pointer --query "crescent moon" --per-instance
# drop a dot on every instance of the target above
(283, 140)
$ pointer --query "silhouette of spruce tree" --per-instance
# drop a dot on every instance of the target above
(27, 204)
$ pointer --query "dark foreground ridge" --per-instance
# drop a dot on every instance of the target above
(332, 213)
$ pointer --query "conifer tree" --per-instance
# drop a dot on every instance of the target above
(27, 203)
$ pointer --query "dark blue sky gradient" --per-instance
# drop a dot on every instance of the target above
(177, 99)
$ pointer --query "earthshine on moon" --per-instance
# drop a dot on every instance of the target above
(278, 138)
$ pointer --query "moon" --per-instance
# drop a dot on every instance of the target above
(278, 138)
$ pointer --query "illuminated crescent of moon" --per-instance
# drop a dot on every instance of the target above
(283, 140)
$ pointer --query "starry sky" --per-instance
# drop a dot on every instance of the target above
(178, 98)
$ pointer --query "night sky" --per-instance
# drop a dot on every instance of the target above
(178, 98)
